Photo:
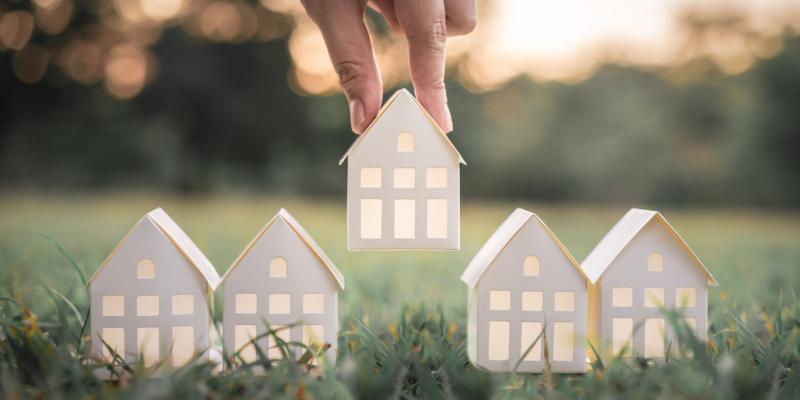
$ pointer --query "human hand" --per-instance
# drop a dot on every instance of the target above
(425, 24)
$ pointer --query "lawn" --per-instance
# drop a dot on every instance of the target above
(403, 313)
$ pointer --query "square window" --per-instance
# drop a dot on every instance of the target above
(183, 304)
(371, 178)
(564, 340)
(404, 218)
(146, 269)
(499, 300)
(148, 344)
(564, 301)
(654, 337)
(115, 338)
(530, 266)
(279, 303)
(653, 297)
(182, 345)
(146, 306)
(246, 303)
(532, 301)
(278, 268)
(283, 333)
(371, 215)
(313, 335)
(243, 342)
(437, 218)
(622, 334)
(622, 297)
(436, 178)
(313, 303)
(685, 297)
(113, 306)
(404, 178)
(498, 340)
(530, 333)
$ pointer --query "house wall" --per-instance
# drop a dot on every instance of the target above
(630, 269)
(305, 275)
(379, 150)
(174, 275)
(556, 274)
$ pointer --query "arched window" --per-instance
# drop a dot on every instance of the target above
(277, 268)
(405, 142)
(530, 267)
(146, 269)
(655, 262)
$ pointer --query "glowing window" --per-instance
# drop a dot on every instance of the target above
(113, 306)
(405, 142)
(404, 219)
(437, 218)
(371, 177)
(499, 300)
(243, 342)
(183, 304)
(115, 338)
(532, 301)
(148, 344)
(283, 333)
(654, 337)
(182, 345)
(245, 303)
(436, 178)
(653, 297)
(147, 306)
(146, 269)
(622, 334)
(404, 178)
(498, 340)
(313, 335)
(564, 301)
(530, 267)
(279, 303)
(622, 297)
(655, 262)
(685, 297)
(564, 339)
(371, 216)
(277, 268)
(313, 303)
(530, 333)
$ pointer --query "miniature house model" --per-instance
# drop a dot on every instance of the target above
(642, 264)
(150, 298)
(521, 282)
(281, 281)
(403, 182)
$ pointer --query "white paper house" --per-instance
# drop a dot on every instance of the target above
(151, 297)
(282, 279)
(523, 281)
(640, 265)
(403, 182)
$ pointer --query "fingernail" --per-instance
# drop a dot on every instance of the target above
(357, 115)
(448, 120)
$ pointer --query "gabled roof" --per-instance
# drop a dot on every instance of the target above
(303, 235)
(504, 234)
(179, 239)
(621, 234)
(386, 106)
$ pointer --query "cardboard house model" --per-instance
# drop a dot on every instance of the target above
(151, 298)
(403, 182)
(522, 282)
(283, 281)
(641, 265)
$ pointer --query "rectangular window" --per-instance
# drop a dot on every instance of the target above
(530, 266)
(499, 300)
(146, 306)
(148, 344)
(115, 338)
(498, 340)
(437, 218)
(685, 297)
(653, 297)
(146, 269)
(245, 303)
(370, 178)
(283, 333)
(530, 333)
(113, 306)
(436, 178)
(313, 303)
(182, 345)
(622, 334)
(564, 337)
(654, 337)
(692, 324)
(404, 218)
(622, 297)
(183, 304)
(243, 336)
(404, 178)
(280, 303)
(564, 301)
(278, 268)
(371, 214)
(313, 335)
(532, 301)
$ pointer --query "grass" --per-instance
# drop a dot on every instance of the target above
(403, 313)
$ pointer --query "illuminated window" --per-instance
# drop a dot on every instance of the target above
(277, 268)
(147, 306)
(564, 301)
(404, 219)
(371, 177)
(437, 218)
(564, 339)
(243, 342)
(113, 306)
(183, 304)
(313, 303)
(685, 297)
(148, 343)
(371, 218)
(530, 333)
(532, 301)
(245, 303)
(499, 300)
(436, 178)
(622, 334)
(498, 340)
(146, 269)
(405, 142)
(653, 297)
(530, 267)
(654, 337)
(622, 297)
(655, 262)
(115, 338)
(279, 303)
(182, 345)
(283, 333)
(404, 178)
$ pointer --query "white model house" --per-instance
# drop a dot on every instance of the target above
(641, 265)
(285, 281)
(151, 297)
(403, 181)
(521, 282)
